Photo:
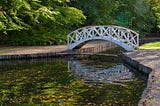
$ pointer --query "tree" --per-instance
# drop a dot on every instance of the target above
(135, 15)
(131, 14)
(96, 11)
(37, 18)
(47, 22)
(155, 6)
(21, 14)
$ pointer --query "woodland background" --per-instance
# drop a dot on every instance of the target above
(47, 22)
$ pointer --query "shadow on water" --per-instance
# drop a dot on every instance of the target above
(68, 82)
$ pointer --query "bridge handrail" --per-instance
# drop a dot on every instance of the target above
(104, 26)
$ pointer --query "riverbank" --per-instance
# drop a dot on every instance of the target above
(30, 52)
(148, 62)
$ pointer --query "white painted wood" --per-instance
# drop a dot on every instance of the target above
(126, 38)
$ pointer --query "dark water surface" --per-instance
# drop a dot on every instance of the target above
(68, 82)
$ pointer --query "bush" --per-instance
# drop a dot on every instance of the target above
(37, 39)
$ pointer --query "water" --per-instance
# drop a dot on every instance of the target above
(72, 82)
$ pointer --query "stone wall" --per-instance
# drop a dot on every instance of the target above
(135, 64)
(147, 62)
(97, 48)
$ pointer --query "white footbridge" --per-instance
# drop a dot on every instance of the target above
(126, 38)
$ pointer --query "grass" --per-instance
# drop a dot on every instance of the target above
(152, 45)
(1, 53)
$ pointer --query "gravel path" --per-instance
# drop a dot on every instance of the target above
(12, 50)
(149, 58)
(31, 49)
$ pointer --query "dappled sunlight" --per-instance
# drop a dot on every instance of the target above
(152, 45)
(53, 82)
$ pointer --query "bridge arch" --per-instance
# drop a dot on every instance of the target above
(126, 38)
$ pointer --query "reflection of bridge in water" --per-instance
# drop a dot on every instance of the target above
(116, 74)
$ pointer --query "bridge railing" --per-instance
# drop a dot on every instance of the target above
(124, 37)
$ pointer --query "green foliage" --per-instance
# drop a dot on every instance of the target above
(135, 15)
(132, 14)
(12, 14)
(97, 11)
(37, 22)
(155, 6)
(40, 36)
(124, 19)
